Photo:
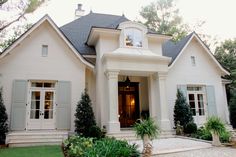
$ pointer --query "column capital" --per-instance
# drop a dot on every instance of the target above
(112, 74)
(162, 75)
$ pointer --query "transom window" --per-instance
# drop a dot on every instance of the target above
(133, 37)
(43, 84)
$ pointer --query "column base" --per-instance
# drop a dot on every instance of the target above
(165, 125)
(113, 127)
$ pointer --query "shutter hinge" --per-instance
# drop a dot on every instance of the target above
(25, 128)
(25, 104)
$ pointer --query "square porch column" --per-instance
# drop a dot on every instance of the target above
(164, 121)
(158, 106)
(113, 125)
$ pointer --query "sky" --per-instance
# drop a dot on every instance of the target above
(219, 15)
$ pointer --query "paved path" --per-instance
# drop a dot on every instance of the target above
(208, 152)
(172, 145)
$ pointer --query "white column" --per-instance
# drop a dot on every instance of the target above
(164, 120)
(113, 120)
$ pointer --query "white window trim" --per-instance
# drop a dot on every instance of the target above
(124, 36)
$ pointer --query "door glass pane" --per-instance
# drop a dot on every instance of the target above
(48, 105)
(201, 105)
(192, 104)
(35, 105)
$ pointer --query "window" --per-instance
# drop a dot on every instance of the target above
(133, 37)
(44, 50)
(193, 60)
(43, 84)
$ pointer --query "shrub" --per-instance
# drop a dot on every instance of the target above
(84, 116)
(76, 146)
(232, 109)
(204, 134)
(146, 127)
(190, 128)
(110, 147)
(182, 111)
(215, 125)
(96, 132)
(225, 137)
(3, 120)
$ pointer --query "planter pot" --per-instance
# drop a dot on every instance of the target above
(215, 139)
(147, 146)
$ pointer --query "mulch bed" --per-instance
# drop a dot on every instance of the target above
(3, 146)
(65, 153)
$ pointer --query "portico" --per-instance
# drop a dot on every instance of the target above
(154, 68)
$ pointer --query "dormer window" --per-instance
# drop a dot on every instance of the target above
(133, 37)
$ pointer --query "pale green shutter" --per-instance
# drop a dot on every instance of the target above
(18, 107)
(183, 89)
(63, 107)
(211, 102)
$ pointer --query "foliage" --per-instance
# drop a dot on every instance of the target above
(95, 132)
(3, 120)
(146, 127)
(226, 55)
(232, 109)
(190, 128)
(163, 17)
(215, 125)
(204, 134)
(20, 8)
(18, 32)
(34, 151)
(182, 111)
(76, 146)
(84, 116)
(108, 147)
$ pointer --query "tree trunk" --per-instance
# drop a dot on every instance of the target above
(215, 139)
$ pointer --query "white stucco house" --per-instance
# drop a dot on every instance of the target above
(129, 71)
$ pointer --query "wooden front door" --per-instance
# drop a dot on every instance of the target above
(128, 104)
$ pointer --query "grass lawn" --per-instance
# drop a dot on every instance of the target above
(37, 151)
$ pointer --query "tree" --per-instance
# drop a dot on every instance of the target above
(18, 31)
(3, 120)
(84, 116)
(163, 17)
(182, 111)
(22, 7)
(232, 109)
(226, 55)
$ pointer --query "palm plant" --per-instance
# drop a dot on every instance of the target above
(147, 129)
(216, 127)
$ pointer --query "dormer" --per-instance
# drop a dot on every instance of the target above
(133, 35)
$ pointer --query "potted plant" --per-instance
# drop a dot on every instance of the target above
(216, 127)
(147, 130)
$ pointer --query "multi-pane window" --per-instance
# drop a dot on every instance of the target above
(196, 100)
(133, 37)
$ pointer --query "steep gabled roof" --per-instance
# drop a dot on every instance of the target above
(57, 30)
(78, 30)
(174, 50)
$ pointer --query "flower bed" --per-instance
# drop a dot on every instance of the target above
(76, 146)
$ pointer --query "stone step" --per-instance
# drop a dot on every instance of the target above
(131, 136)
(33, 138)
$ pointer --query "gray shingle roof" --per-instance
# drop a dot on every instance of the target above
(172, 49)
(78, 30)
